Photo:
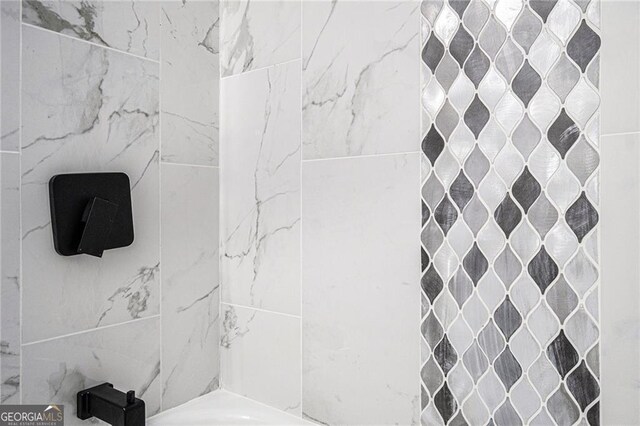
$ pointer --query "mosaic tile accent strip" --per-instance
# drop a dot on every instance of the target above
(510, 124)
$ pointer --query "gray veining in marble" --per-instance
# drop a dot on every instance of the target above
(360, 79)
(190, 82)
(10, 75)
(261, 189)
(257, 34)
(190, 288)
(94, 109)
(131, 26)
(128, 356)
(10, 278)
(260, 356)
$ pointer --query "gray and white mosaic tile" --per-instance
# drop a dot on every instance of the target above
(510, 212)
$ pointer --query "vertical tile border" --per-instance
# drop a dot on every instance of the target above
(510, 212)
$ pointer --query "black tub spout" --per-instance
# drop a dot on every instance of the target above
(110, 405)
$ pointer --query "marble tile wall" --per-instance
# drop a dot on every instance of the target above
(258, 34)
(260, 188)
(360, 76)
(359, 237)
(10, 349)
(111, 86)
(510, 202)
(320, 166)
(620, 189)
(320, 175)
(190, 287)
(260, 356)
(10, 284)
(621, 299)
(360, 260)
(131, 27)
(10, 75)
(190, 82)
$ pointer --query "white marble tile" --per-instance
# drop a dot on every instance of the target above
(260, 356)
(620, 62)
(10, 75)
(131, 26)
(257, 34)
(261, 189)
(10, 272)
(361, 83)
(190, 85)
(127, 356)
(620, 293)
(87, 109)
(361, 290)
(190, 296)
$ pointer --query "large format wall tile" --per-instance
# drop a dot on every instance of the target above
(360, 290)
(190, 82)
(10, 75)
(510, 212)
(620, 66)
(93, 110)
(190, 296)
(360, 78)
(10, 275)
(257, 34)
(130, 26)
(621, 274)
(261, 189)
(127, 356)
(260, 356)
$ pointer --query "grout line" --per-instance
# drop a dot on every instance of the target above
(20, 273)
(235, 305)
(540, 302)
(12, 152)
(599, 208)
(604, 135)
(360, 156)
(259, 69)
(419, 233)
(220, 203)
(160, 282)
(91, 330)
(169, 163)
(300, 264)
(28, 25)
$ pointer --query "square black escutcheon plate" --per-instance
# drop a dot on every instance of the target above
(90, 212)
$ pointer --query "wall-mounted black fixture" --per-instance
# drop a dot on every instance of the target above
(110, 405)
(90, 212)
